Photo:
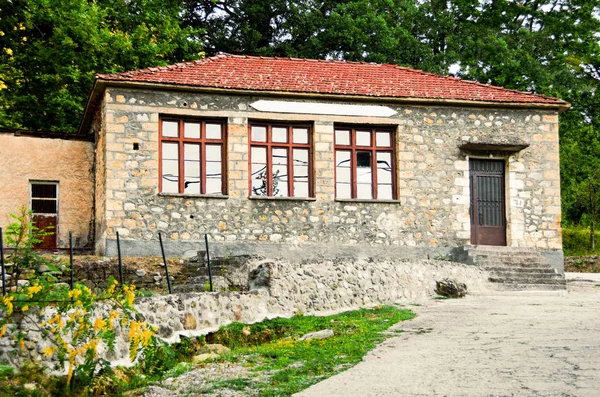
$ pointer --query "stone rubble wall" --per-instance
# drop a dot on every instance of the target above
(287, 288)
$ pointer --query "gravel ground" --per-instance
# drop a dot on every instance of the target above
(507, 344)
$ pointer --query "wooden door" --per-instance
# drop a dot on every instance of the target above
(488, 214)
(47, 223)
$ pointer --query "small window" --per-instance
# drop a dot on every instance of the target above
(192, 154)
(44, 197)
(280, 157)
(364, 163)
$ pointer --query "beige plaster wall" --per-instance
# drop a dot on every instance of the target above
(68, 162)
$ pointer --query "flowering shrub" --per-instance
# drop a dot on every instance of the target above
(74, 323)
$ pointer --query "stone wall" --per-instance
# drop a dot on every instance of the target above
(25, 158)
(282, 289)
(430, 217)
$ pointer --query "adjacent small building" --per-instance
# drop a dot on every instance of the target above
(305, 158)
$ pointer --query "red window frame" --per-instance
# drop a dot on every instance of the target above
(289, 146)
(181, 140)
(353, 148)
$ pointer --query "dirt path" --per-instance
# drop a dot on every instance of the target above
(522, 344)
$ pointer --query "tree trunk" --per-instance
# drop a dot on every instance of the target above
(592, 236)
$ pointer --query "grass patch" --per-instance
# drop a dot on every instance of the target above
(576, 241)
(294, 365)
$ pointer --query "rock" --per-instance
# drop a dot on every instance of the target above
(43, 269)
(22, 283)
(189, 321)
(29, 386)
(140, 273)
(260, 278)
(450, 288)
(204, 357)
(157, 278)
(324, 334)
(214, 349)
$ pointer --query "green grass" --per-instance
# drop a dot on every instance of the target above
(272, 347)
(576, 241)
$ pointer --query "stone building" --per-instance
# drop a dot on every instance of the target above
(52, 175)
(319, 159)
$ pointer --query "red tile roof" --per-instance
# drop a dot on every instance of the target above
(325, 77)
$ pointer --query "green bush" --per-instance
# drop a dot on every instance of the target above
(576, 241)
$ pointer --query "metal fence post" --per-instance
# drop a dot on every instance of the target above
(162, 249)
(71, 258)
(210, 283)
(2, 263)
(120, 261)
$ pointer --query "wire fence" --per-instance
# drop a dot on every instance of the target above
(120, 262)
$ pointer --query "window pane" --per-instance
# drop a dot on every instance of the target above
(363, 138)
(170, 151)
(301, 156)
(384, 192)
(170, 129)
(43, 206)
(213, 153)
(300, 135)
(279, 134)
(342, 137)
(191, 152)
(170, 167)
(280, 156)
(364, 176)
(384, 168)
(191, 130)
(300, 189)
(259, 171)
(43, 191)
(280, 172)
(259, 134)
(214, 186)
(343, 174)
(383, 139)
(259, 155)
(213, 131)
(342, 190)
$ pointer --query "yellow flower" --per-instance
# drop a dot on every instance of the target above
(2, 330)
(8, 51)
(7, 301)
(22, 344)
(48, 351)
(25, 308)
(99, 324)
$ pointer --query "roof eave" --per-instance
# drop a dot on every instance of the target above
(100, 84)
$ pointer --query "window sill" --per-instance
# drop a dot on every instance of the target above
(282, 198)
(341, 200)
(212, 196)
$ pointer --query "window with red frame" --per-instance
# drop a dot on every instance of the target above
(280, 159)
(192, 154)
(364, 163)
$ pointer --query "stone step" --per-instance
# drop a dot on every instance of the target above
(527, 280)
(512, 259)
(500, 249)
(529, 287)
(521, 270)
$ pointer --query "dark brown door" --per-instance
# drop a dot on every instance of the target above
(488, 218)
(44, 205)
(47, 223)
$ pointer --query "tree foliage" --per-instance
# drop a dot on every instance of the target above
(50, 51)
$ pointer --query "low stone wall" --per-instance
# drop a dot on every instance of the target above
(282, 289)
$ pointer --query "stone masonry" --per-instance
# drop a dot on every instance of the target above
(431, 216)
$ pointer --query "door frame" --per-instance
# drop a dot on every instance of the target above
(503, 189)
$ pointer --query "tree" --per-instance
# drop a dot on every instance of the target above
(50, 51)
